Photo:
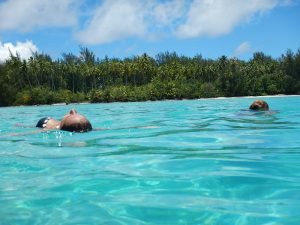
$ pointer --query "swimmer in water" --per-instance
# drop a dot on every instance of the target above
(73, 122)
(259, 105)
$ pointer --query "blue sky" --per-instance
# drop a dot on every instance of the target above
(123, 28)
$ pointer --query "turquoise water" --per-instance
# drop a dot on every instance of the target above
(170, 162)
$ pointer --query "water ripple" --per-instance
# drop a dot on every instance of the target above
(172, 162)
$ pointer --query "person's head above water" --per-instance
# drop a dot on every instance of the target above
(72, 121)
(259, 105)
(48, 123)
(75, 122)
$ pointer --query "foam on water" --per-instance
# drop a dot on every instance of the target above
(171, 162)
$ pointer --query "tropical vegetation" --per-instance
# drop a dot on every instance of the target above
(71, 78)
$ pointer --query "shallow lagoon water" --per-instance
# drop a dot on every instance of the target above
(208, 161)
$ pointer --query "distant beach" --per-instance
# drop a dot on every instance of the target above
(261, 96)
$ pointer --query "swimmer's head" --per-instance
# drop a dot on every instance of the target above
(259, 105)
(48, 123)
(75, 122)
(42, 122)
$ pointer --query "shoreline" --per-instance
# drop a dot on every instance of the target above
(198, 99)
(259, 96)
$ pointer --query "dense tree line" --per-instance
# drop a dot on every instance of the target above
(42, 80)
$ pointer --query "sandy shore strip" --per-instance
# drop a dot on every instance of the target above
(254, 97)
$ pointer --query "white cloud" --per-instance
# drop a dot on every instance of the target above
(26, 15)
(166, 12)
(219, 17)
(120, 19)
(243, 48)
(114, 20)
(24, 49)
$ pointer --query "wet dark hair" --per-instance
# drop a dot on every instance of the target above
(77, 127)
(42, 122)
(259, 105)
(254, 107)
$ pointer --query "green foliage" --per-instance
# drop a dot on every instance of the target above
(40, 80)
(43, 95)
(208, 90)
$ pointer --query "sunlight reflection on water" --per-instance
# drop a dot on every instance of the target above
(169, 162)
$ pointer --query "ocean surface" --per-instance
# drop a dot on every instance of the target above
(209, 161)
